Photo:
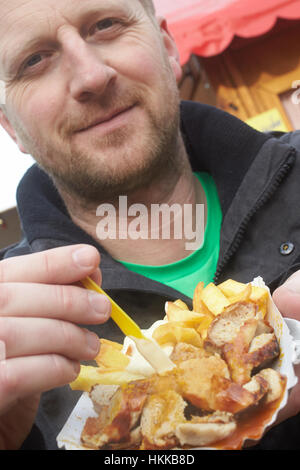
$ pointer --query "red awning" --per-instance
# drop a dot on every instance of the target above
(207, 27)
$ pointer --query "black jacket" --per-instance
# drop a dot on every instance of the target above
(257, 177)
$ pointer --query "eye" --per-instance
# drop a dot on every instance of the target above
(36, 62)
(33, 60)
(105, 24)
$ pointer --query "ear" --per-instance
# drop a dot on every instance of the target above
(5, 123)
(171, 48)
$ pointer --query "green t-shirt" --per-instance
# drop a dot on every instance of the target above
(201, 265)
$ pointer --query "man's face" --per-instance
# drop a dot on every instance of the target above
(90, 91)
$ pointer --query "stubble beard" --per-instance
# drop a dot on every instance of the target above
(95, 180)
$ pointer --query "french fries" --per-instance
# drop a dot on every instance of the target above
(90, 376)
(197, 302)
(110, 356)
(183, 326)
(181, 304)
(214, 299)
(176, 332)
(221, 348)
(189, 317)
(234, 291)
(111, 370)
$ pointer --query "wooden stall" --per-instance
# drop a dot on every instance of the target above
(257, 80)
(240, 55)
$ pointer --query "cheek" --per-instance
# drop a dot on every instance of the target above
(38, 108)
(147, 75)
(141, 61)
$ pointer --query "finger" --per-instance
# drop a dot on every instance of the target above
(287, 297)
(2, 351)
(97, 277)
(65, 265)
(34, 336)
(74, 304)
(23, 377)
(293, 406)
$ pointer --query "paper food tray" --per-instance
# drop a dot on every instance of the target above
(287, 332)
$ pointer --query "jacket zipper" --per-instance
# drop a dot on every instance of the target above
(274, 185)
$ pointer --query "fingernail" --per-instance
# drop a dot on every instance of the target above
(2, 351)
(84, 257)
(293, 285)
(76, 367)
(93, 342)
(100, 305)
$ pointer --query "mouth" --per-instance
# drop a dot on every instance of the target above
(114, 119)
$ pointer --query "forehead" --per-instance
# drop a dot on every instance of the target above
(17, 8)
(25, 20)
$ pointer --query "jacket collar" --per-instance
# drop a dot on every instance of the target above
(221, 145)
(270, 167)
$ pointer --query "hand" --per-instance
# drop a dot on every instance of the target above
(41, 306)
(287, 300)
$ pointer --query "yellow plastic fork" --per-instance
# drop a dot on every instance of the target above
(148, 349)
(124, 322)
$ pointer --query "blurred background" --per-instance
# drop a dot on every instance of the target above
(242, 56)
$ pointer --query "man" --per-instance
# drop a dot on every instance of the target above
(91, 93)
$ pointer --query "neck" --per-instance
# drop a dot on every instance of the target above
(138, 229)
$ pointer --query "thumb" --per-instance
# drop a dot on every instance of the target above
(287, 297)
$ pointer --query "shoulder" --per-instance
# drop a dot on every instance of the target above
(17, 249)
(291, 138)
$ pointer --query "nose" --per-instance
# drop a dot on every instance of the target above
(89, 74)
